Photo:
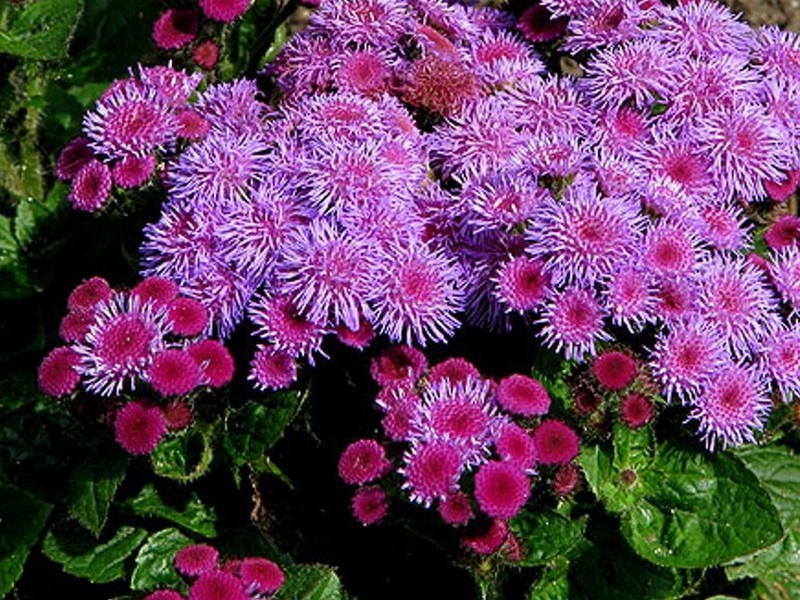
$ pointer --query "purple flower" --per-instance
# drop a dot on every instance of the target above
(326, 273)
(606, 24)
(222, 168)
(460, 414)
(121, 343)
(780, 359)
(746, 147)
(232, 107)
(777, 52)
(363, 22)
(131, 119)
(91, 187)
(481, 140)
(735, 299)
(704, 29)
(686, 357)
(671, 250)
(280, 323)
(416, 293)
(641, 71)
(732, 408)
(583, 237)
(629, 297)
(502, 60)
(572, 323)
(785, 273)
(502, 201)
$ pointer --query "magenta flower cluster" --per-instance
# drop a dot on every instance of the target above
(447, 425)
(423, 169)
(117, 340)
(251, 578)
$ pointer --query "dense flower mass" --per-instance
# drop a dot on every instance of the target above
(421, 169)
(118, 342)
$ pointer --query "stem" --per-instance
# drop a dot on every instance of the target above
(268, 34)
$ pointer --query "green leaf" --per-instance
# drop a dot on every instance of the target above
(185, 457)
(195, 517)
(254, 429)
(698, 511)
(22, 517)
(609, 570)
(154, 563)
(42, 30)
(553, 585)
(81, 556)
(93, 486)
(9, 250)
(545, 535)
(777, 567)
(615, 489)
(310, 582)
(32, 217)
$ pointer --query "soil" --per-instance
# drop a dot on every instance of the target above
(785, 13)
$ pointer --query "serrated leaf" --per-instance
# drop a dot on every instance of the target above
(195, 517)
(778, 470)
(184, 457)
(699, 511)
(310, 582)
(154, 562)
(607, 482)
(79, 555)
(93, 486)
(545, 535)
(255, 428)
(22, 517)
(42, 30)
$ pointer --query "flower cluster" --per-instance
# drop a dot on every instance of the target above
(116, 340)
(423, 169)
(252, 578)
(134, 121)
(447, 425)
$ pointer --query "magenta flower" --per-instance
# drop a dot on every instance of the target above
(501, 489)
(363, 461)
(261, 575)
(556, 443)
(431, 471)
(58, 373)
(196, 559)
(370, 505)
(175, 28)
(523, 395)
(138, 427)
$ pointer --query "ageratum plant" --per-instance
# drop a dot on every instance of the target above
(579, 210)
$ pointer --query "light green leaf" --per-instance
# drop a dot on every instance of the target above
(310, 582)
(22, 517)
(9, 250)
(699, 511)
(184, 457)
(154, 563)
(42, 30)
(93, 486)
(81, 556)
(195, 517)
(545, 535)
(553, 585)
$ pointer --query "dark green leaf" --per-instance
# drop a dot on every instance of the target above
(609, 570)
(34, 216)
(310, 582)
(154, 563)
(545, 535)
(42, 30)
(17, 389)
(778, 470)
(617, 491)
(253, 430)
(195, 517)
(81, 556)
(699, 510)
(93, 486)
(22, 516)
(9, 251)
(184, 457)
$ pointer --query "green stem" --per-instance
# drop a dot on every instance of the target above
(266, 37)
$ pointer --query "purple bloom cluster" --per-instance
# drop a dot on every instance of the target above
(423, 169)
